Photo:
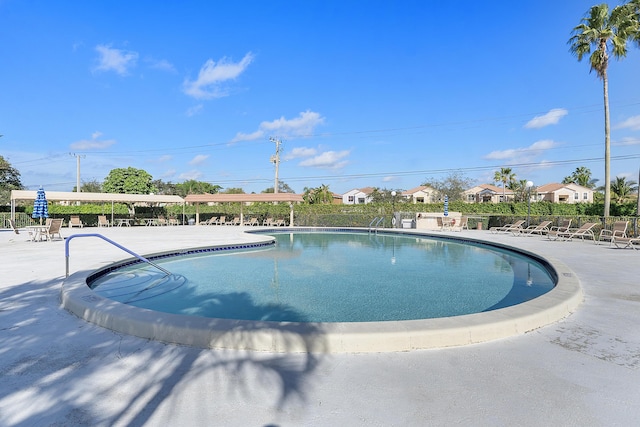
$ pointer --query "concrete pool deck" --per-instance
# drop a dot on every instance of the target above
(57, 369)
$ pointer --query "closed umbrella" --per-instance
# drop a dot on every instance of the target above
(446, 205)
(40, 207)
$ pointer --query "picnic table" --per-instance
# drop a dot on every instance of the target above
(123, 221)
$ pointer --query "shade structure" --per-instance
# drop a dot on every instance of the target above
(446, 205)
(40, 206)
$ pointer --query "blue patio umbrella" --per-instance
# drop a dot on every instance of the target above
(40, 207)
(446, 205)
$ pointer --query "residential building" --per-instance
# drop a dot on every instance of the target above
(487, 193)
(564, 193)
(421, 194)
(357, 196)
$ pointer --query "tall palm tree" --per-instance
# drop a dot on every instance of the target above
(606, 33)
(505, 176)
(622, 189)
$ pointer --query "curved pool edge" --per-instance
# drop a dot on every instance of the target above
(355, 337)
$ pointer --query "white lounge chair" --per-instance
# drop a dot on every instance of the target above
(509, 228)
(75, 221)
(103, 221)
(586, 230)
(541, 229)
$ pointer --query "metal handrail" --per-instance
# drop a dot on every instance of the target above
(377, 222)
(140, 257)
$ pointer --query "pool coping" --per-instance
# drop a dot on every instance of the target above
(352, 337)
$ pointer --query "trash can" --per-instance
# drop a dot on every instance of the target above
(192, 221)
(479, 225)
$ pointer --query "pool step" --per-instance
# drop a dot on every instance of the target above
(132, 287)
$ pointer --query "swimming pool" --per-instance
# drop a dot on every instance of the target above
(274, 334)
(333, 277)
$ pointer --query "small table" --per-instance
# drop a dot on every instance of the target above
(151, 221)
(37, 232)
(124, 221)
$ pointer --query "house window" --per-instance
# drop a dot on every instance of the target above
(471, 197)
(575, 196)
(419, 199)
(351, 199)
(585, 196)
(361, 200)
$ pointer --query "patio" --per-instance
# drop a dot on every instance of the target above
(58, 369)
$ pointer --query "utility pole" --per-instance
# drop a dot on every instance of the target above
(77, 156)
(275, 159)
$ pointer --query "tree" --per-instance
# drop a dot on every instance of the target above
(232, 190)
(505, 176)
(606, 34)
(93, 186)
(581, 176)
(318, 195)
(453, 186)
(520, 190)
(165, 188)
(196, 187)
(622, 189)
(282, 188)
(9, 180)
(128, 181)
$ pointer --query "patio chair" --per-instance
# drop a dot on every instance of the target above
(103, 221)
(586, 230)
(440, 223)
(508, 228)
(252, 222)
(464, 223)
(541, 229)
(54, 229)
(222, 220)
(619, 229)
(267, 222)
(626, 242)
(75, 221)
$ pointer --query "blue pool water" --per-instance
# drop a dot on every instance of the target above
(334, 277)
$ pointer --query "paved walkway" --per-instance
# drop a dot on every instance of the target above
(56, 369)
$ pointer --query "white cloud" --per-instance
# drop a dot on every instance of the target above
(199, 159)
(300, 126)
(627, 141)
(160, 64)
(116, 60)
(299, 152)
(212, 75)
(328, 160)
(192, 174)
(93, 143)
(632, 123)
(196, 109)
(551, 118)
(169, 174)
(389, 178)
(522, 155)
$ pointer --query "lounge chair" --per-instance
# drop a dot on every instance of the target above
(234, 221)
(509, 228)
(174, 221)
(541, 229)
(54, 229)
(211, 221)
(252, 222)
(75, 221)
(279, 222)
(267, 222)
(586, 230)
(563, 227)
(626, 242)
(103, 221)
(619, 230)
(12, 224)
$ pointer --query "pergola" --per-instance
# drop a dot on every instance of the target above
(243, 199)
(93, 197)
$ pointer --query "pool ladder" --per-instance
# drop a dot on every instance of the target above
(140, 257)
(375, 224)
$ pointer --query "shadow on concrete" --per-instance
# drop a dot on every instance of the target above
(57, 369)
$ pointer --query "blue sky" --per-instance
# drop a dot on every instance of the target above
(385, 94)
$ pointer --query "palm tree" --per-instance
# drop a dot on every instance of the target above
(622, 188)
(607, 33)
(504, 175)
(581, 176)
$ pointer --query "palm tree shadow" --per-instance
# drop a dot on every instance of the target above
(55, 355)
